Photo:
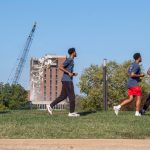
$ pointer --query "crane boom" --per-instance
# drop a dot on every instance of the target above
(24, 55)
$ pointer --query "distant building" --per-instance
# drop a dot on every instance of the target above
(45, 80)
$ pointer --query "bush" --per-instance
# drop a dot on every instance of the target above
(13, 96)
(3, 108)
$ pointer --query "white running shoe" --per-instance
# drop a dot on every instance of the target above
(74, 114)
(49, 109)
(137, 114)
(116, 109)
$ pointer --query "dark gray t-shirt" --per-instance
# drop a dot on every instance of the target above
(133, 81)
(68, 65)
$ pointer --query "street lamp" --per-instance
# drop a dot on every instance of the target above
(105, 88)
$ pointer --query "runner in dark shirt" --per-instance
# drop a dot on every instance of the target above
(147, 102)
(67, 84)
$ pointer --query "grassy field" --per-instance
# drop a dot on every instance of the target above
(38, 124)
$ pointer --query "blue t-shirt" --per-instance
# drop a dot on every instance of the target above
(133, 81)
(69, 66)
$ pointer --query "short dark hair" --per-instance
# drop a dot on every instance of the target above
(71, 50)
(136, 56)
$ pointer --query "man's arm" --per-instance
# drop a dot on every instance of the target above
(133, 75)
(64, 65)
(62, 68)
(134, 69)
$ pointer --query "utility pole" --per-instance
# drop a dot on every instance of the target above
(105, 84)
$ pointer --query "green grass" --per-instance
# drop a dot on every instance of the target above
(38, 124)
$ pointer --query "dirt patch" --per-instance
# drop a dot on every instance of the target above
(73, 144)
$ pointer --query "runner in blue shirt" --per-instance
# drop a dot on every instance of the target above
(134, 89)
(67, 84)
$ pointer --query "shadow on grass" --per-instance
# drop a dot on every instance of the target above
(85, 113)
(4, 112)
(146, 115)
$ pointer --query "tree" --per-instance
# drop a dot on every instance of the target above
(12, 96)
(91, 85)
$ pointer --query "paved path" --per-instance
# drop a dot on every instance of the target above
(79, 144)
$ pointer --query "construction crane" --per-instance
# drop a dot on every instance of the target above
(23, 57)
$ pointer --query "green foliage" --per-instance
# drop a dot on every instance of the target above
(12, 96)
(2, 108)
(91, 85)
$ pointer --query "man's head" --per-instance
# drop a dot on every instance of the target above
(72, 52)
(137, 57)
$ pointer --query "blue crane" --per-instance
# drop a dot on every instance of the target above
(24, 55)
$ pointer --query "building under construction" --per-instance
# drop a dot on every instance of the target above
(45, 80)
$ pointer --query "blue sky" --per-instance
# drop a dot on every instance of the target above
(112, 29)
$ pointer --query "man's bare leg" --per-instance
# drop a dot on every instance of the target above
(125, 102)
(138, 103)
